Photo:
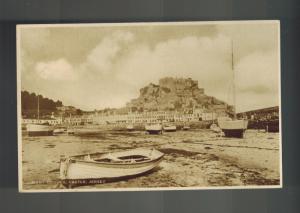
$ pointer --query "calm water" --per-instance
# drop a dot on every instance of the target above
(193, 158)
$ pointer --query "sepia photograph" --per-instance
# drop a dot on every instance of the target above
(149, 106)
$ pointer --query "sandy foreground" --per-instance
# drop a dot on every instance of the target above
(195, 158)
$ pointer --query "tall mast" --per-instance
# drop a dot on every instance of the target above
(233, 81)
(38, 107)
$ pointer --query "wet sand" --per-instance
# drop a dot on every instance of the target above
(195, 158)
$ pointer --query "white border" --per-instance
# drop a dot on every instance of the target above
(20, 169)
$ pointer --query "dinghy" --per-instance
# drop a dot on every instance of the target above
(186, 127)
(169, 128)
(130, 127)
(63, 131)
(100, 168)
(154, 128)
(60, 131)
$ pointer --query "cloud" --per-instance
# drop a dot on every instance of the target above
(34, 38)
(258, 70)
(102, 57)
(59, 69)
(201, 58)
(257, 77)
(119, 62)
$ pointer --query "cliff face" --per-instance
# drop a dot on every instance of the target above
(173, 94)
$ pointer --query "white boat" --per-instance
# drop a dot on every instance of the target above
(70, 131)
(233, 127)
(60, 130)
(63, 131)
(169, 128)
(39, 129)
(130, 127)
(186, 127)
(154, 128)
(100, 168)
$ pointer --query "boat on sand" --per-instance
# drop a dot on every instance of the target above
(169, 128)
(98, 168)
(233, 127)
(154, 128)
(130, 127)
(43, 129)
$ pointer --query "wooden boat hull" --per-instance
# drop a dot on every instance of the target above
(63, 132)
(233, 128)
(77, 171)
(130, 128)
(186, 128)
(169, 128)
(154, 129)
(154, 132)
(234, 133)
(59, 131)
(39, 130)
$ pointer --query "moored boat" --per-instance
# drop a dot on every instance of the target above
(233, 128)
(60, 130)
(100, 168)
(70, 131)
(130, 127)
(63, 131)
(39, 129)
(169, 128)
(186, 127)
(154, 128)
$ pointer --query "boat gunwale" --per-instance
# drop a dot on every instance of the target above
(115, 164)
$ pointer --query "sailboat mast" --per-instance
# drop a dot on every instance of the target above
(38, 107)
(233, 79)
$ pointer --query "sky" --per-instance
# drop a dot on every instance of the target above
(99, 66)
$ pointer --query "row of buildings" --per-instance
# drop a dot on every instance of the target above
(129, 118)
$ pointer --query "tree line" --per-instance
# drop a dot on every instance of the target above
(29, 104)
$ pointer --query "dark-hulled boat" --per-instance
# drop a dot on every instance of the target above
(154, 128)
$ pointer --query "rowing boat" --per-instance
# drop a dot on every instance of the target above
(99, 168)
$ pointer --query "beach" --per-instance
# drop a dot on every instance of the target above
(194, 158)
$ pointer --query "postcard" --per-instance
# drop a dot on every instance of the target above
(149, 106)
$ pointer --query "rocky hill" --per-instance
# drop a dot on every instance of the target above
(174, 94)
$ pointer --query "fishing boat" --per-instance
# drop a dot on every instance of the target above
(100, 168)
(129, 127)
(169, 128)
(154, 128)
(39, 128)
(233, 127)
